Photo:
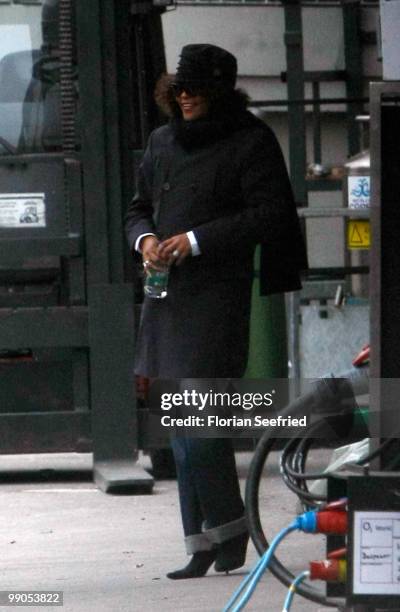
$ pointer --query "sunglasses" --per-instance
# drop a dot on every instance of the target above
(191, 89)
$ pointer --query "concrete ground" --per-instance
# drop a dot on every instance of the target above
(110, 553)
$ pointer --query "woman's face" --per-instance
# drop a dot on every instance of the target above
(193, 106)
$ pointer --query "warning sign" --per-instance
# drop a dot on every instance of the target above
(358, 235)
(22, 210)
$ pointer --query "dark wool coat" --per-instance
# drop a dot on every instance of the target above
(232, 190)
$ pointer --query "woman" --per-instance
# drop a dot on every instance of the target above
(211, 186)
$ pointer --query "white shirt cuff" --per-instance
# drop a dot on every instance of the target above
(137, 243)
(193, 244)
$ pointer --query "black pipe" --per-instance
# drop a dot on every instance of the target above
(307, 101)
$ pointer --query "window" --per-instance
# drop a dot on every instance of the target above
(30, 113)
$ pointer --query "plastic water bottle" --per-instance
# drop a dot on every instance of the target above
(156, 283)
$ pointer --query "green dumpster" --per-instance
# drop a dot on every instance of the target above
(268, 356)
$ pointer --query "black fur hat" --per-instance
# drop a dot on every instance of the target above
(207, 64)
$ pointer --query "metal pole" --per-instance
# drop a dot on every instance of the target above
(295, 88)
(354, 70)
(317, 123)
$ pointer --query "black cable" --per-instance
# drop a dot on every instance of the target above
(306, 475)
(264, 447)
(298, 474)
(376, 452)
(303, 494)
(302, 451)
(291, 456)
(302, 405)
(287, 452)
(300, 461)
(293, 478)
(296, 460)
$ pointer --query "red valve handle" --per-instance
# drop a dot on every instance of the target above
(362, 357)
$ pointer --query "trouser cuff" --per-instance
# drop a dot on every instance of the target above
(216, 535)
(227, 531)
(197, 542)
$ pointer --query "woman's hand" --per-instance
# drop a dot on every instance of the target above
(175, 249)
(149, 246)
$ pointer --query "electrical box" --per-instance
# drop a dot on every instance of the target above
(374, 541)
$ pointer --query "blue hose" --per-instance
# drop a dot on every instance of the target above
(292, 590)
(252, 579)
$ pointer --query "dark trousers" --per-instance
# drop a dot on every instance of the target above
(208, 484)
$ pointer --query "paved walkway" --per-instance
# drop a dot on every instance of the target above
(110, 553)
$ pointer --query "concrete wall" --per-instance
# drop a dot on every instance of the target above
(255, 35)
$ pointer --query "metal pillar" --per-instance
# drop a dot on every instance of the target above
(385, 261)
(295, 90)
(110, 301)
(354, 70)
(293, 38)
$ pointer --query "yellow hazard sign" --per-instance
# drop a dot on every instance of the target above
(358, 234)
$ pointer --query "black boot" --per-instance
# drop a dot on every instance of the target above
(197, 566)
(232, 553)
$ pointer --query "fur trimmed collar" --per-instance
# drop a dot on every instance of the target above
(221, 123)
(210, 129)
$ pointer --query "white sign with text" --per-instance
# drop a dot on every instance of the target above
(23, 210)
(376, 557)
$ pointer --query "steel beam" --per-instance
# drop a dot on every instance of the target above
(43, 327)
(92, 121)
(354, 70)
(114, 421)
(295, 87)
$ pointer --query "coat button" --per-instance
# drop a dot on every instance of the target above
(166, 186)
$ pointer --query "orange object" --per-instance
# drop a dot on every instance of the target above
(339, 504)
(337, 554)
(332, 522)
(330, 570)
(362, 357)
